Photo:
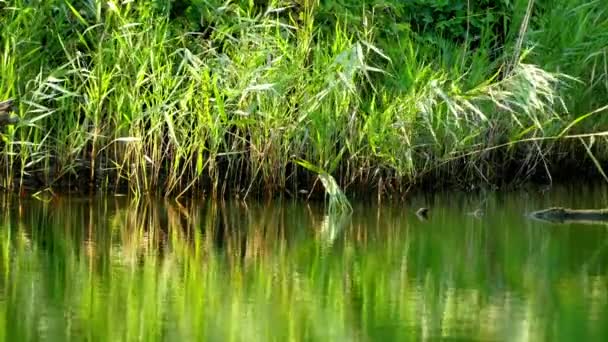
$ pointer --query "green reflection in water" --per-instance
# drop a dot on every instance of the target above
(110, 269)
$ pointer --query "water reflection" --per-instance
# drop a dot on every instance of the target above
(116, 269)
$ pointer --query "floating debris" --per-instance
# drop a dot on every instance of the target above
(423, 213)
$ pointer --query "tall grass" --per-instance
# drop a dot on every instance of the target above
(140, 97)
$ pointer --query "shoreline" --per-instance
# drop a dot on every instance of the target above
(310, 187)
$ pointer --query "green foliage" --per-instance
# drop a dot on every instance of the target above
(225, 96)
(453, 16)
(460, 20)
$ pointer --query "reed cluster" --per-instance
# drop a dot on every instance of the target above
(250, 97)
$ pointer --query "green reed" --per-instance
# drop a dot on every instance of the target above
(227, 96)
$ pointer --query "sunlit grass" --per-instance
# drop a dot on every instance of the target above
(119, 96)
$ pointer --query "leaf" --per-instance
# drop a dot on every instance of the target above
(581, 118)
(260, 87)
(127, 139)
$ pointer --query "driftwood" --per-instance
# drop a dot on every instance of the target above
(565, 215)
(6, 107)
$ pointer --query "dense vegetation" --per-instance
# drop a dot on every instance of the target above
(254, 96)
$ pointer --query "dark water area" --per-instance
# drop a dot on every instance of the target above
(117, 269)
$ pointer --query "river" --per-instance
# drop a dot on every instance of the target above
(119, 269)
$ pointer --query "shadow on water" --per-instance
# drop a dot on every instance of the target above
(116, 269)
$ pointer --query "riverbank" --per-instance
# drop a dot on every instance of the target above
(251, 98)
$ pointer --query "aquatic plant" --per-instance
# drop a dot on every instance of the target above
(225, 97)
(338, 202)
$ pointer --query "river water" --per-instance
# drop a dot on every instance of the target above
(117, 269)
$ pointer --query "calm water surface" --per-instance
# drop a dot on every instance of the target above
(110, 269)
